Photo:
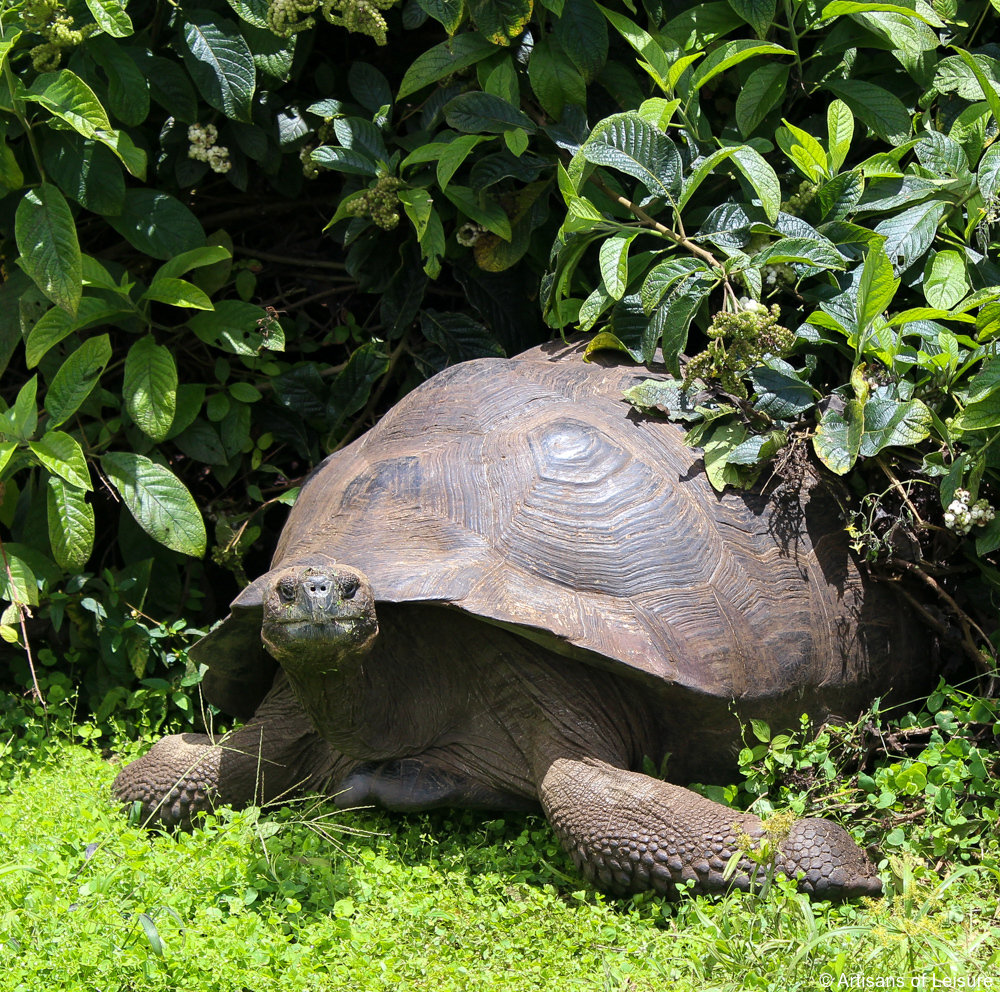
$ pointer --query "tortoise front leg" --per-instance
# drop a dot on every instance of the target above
(276, 755)
(628, 832)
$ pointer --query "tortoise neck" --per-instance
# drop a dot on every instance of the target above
(381, 701)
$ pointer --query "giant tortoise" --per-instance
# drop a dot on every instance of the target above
(511, 592)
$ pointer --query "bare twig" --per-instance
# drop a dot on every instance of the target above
(305, 263)
(898, 486)
(686, 243)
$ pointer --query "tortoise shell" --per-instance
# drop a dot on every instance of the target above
(528, 493)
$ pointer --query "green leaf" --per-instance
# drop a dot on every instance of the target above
(658, 63)
(500, 20)
(582, 32)
(350, 390)
(69, 98)
(111, 16)
(447, 12)
(804, 250)
(876, 288)
(220, 63)
(663, 276)
(56, 324)
(346, 160)
(724, 439)
(272, 55)
(50, 252)
(840, 128)
(701, 170)
(764, 89)
(672, 320)
(992, 97)
(554, 79)
(368, 86)
(779, 395)
(988, 176)
(981, 415)
(71, 524)
(150, 387)
(85, 170)
(757, 13)
(178, 293)
(63, 456)
(840, 7)
(169, 85)
(419, 208)
(761, 177)
(195, 259)
(946, 281)
(159, 501)
(244, 392)
(237, 327)
(9, 36)
(24, 588)
(128, 91)
(876, 107)
(614, 262)
(454, 154)
(665, 395)
(986, 381)
(909, 234)
(476, 111)
(22, 419)
(458, 336)
(634, 146)
(157, 224)
(889, 422)
(804, 151)
(76, 377)
(442, 60)
(11, 176)
(732, 53)
(7, 449)
(480, 209)
(201, 441)
(838, 437)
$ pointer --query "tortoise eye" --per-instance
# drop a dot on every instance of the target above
(286, 590)
(348, 588)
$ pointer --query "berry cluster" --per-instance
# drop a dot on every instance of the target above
(286, 17)
(309, 168)
(798, 202)
(51, 20)
(203, 139)
(380, 203)
(961, 517)
(738, 342)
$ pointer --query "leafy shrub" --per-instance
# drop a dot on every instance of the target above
(803, 196)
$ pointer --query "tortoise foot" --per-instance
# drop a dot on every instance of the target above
(628, 832)
(174, 781)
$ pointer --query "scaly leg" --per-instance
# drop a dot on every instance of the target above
(628, 832)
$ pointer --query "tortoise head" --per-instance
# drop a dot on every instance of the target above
(315, 615)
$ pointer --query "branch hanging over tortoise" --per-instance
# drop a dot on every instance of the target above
(509, 592)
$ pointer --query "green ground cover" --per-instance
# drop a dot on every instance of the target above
(291, 900)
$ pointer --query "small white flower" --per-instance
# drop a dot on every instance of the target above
(961, 518)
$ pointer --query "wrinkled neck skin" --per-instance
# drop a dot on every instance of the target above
(363, 702)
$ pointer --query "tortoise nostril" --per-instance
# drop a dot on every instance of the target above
(349, 588)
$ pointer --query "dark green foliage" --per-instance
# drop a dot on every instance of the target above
(664, 175)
